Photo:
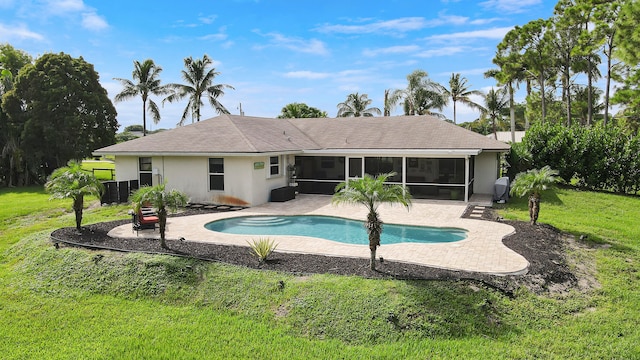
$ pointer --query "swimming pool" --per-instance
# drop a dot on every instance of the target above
(333, 228)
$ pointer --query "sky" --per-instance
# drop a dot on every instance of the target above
(274, 52)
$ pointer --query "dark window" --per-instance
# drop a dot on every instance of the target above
(355, 167)
(381, 165)
(216, 166)
(320, 167)
(216, 174)
(274, 165)
(145, 165)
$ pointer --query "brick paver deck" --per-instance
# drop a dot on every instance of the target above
(482, 251)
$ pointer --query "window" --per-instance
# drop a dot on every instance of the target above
(355, 167)
(216, 174)
(146, 171)
(274, 165)
(375, 166)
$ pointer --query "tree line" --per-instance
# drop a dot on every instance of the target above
(54, 109)
(557, 60)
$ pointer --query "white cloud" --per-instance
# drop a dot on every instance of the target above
(57, 7)
(94, 22)
(400, 49)
(311, 75)
(494, 33)
(509, 6)
(401, 25)
(443, 51)
(18, 32)
(214, 37)
(484, 21)
(312, 46)
(207, 19)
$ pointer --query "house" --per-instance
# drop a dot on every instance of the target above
(239, 160)
(505, 136)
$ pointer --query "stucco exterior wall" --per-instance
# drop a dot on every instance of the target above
(126, 168)
(486, 168)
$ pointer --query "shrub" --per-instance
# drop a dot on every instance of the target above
(262, 248)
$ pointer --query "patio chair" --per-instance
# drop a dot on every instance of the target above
(144, 219)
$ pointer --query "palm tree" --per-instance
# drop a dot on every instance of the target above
(426, 101)
(371, 192)
(147, 83)
(357, 105)
(162, 200)
(495, 102)
(199, 83)
(421, 95)
(73, 182)
(532, 183)
(458, 91)
(390, 101)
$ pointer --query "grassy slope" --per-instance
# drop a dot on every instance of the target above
(72, 303)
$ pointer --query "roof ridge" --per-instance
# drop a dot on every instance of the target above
(242, 135)
(290, 121)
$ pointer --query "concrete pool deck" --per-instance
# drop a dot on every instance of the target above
(482, 250)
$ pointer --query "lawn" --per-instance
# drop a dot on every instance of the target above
(73, 303)
(103, 169)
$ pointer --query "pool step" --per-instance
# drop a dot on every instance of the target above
(265, 221)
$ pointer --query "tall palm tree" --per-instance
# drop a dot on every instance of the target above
(426, 101)
(147, 82)
(495, 101)
(73, 182)
(371, 192)
(458, 91)
(390, 101)
(199, 82)
(162, 200)
(357, 105)
(532, 183)
(421, 95)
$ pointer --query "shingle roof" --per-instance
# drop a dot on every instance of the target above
(393, 132)
(246, 134)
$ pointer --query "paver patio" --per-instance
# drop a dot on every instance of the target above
(482, 250)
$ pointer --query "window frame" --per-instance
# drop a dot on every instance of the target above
(146, 173)
(217, 174)
(276, 165)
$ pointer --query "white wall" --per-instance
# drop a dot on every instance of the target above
(126, 168)
(187, 174)
(486, 167)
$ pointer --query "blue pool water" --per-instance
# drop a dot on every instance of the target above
(333, 228)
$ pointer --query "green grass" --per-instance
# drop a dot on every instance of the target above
(101, 169)
(73, 303)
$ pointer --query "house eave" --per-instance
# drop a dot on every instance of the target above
(196, 154)
(396, 152)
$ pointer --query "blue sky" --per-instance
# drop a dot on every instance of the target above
(274, 52)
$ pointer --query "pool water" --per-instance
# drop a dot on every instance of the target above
(333, 228)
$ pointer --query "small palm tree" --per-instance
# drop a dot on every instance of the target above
(199, 83)
(161, 199)
(147, 83)
(458, 91)
(73, 182)
(357, 105)
(532, 183)
(371, 192)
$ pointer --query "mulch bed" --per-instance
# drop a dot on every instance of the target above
(542, 245)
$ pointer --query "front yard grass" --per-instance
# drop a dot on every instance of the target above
(74, 303)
